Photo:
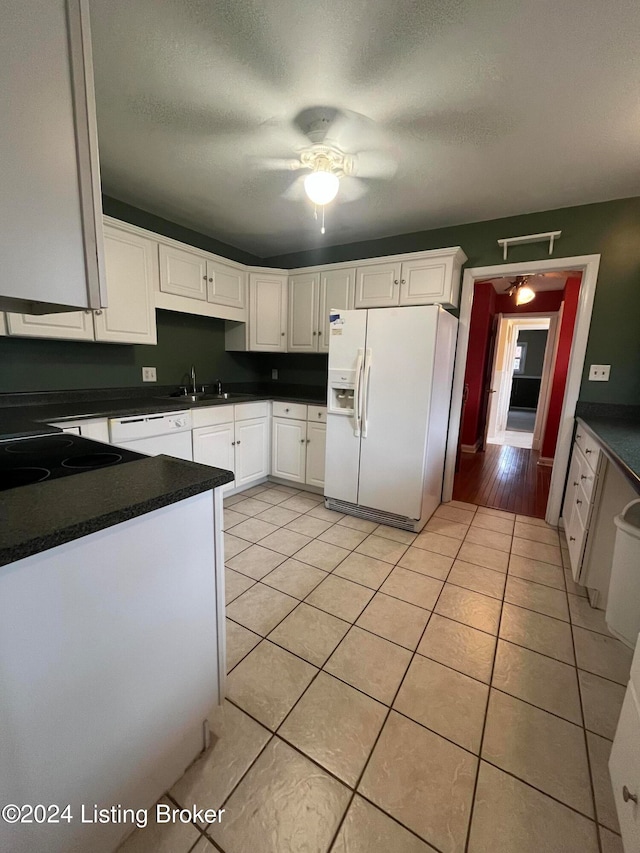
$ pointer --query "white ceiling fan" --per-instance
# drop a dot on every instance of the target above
(332, 151)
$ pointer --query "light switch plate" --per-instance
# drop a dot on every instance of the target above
(274, 372)
(599, 372)
(149, 374)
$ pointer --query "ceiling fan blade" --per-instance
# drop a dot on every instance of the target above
(374, 164)
(351, 189)
(295, 191)
(276, 164)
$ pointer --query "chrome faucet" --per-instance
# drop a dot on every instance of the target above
(193, 379)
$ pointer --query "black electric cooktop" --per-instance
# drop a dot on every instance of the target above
(33, 460)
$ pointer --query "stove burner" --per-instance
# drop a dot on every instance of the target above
(92, 460)
(22, 477)
(37, 445)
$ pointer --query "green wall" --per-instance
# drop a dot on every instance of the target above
(610, 229)
(28, 364)
(536, 341)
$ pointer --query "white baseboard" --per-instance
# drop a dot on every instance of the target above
(470, 448)
(546, 460)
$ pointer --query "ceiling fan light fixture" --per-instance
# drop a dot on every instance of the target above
(524, 294)
(321, 186)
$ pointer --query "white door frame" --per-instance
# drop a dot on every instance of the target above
(588, 265)
(548, 368)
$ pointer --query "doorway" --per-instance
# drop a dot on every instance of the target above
(521, 379)
(531, 479)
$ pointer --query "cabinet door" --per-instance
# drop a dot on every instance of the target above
(69, 326)
(131, 272)
(377, 286)
(226, 285)
(573, 480)
(252, 450)
(336, 291)
(316, 444)
(215, 446)
(426, 282)
(267, 313)
(303, 313)
(289, 444)
(624, 768)
(183, 273)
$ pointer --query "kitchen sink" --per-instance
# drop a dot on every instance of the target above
(202, 397)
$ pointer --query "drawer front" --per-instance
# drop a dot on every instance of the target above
(317, 414)
(586, 476)
(576, 535)
(211, 416)
(297, 411)
(589, 447)
(247, 411)
(624, 767)
(582, 506)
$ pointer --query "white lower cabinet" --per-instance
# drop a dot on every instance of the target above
(316, 445)
(252, 450)
(229, 437)
(289, 449)
(215, 445)
(624, 763)
(298, 446)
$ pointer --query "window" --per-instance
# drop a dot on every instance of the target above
(520, 358)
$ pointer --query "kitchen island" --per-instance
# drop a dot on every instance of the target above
(111, 642)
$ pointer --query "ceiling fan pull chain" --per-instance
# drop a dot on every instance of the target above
(322, 229)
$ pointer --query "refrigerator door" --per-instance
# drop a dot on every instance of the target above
(346, 354)
(395, 412)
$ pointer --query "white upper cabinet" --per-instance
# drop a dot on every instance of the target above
(68, 326)
(226, 285)
(303, 313)
(336, 291)
(267, 312)
(311, 297)
(132, 270)
(183, 273)
(51, 235)
(377, 285)
(431, 278)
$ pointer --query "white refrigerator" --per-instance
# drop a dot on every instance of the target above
(388, 400)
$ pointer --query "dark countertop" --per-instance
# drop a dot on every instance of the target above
(41, 516)
(617, 430)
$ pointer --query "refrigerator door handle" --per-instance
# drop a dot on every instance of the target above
(356, 395)
(365, 394)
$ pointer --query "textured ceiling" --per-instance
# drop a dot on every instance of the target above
(491, 108)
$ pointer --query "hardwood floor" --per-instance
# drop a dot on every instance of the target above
(504, 477)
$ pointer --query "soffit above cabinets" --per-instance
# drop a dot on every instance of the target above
(491, 109)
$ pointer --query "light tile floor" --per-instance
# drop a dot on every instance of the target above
(450, 691)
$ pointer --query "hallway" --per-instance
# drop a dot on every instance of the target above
(504, 477)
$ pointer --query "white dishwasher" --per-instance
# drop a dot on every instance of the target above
(162, 432)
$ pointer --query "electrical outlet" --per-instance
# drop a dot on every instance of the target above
(599, 372)
(274, 372)
(149, 374)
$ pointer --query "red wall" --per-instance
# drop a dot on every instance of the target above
(482, 311)
(565, 339)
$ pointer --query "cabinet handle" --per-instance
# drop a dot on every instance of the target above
(578, 435)
(403, 281)
(238, 442)
(233, 444)
(319, 333)
(627, 795)
(282, 334)
(286, 410)
(572, 539)
(574, 483)
(579, 503)
(204, 278)
(319, 414)
(583, 476)
(395, 281)
(99, 311)
(302, 441)
(314, 334)
(308, 441)
(87, 311)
